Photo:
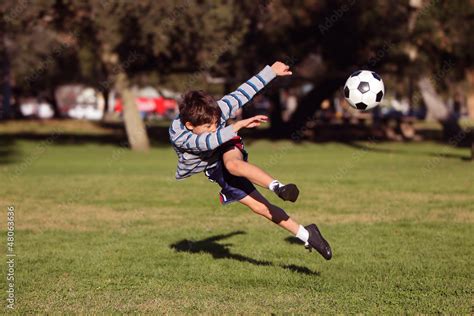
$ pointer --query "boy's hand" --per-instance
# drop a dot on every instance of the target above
(250, 122)
(281, 69)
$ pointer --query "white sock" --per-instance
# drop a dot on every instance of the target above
(302, 234)
(274, 184)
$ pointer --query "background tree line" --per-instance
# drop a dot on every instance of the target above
(178, 44)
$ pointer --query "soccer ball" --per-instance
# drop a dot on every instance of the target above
(364, 90)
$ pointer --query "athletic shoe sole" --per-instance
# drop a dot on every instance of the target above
(317, 241)
(289, 192)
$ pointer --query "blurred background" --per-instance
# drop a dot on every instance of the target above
(118, 68)
(88, 86)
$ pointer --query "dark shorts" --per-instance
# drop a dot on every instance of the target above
(232, 188)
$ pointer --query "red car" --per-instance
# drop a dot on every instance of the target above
(159, 106)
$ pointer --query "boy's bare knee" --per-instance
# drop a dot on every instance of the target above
(233, 166)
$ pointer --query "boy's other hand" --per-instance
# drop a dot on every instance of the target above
(250, 122)
(281, 69)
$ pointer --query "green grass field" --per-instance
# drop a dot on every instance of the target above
(102, 229)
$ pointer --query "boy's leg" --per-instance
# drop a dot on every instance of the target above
(310, 234)
(235, 164)
(260, 205)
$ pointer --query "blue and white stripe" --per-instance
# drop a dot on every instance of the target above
(196, 153)
(230, 103)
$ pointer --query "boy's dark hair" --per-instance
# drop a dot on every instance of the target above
(198, 107)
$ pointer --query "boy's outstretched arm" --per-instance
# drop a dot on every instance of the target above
(230, 103)
(188, 141)
(185, 139)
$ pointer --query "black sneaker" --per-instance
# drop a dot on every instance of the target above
(288, 192)
(317, 242)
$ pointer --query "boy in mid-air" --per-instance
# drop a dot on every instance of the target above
(205, 143)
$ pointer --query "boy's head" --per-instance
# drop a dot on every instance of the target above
(199, 112)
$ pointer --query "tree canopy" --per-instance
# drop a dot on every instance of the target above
(179, 43)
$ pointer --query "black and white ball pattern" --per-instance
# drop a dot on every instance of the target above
(364, 90)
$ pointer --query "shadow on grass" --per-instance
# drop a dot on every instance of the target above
(300, 269)
(68, 138)
(374, 148)
(8, 152)
(114, 134)
(454, 156)
(218, 251)
(222, 251)
(293, 240)
(111, 134)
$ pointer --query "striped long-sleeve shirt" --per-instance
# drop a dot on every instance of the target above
(197, 153)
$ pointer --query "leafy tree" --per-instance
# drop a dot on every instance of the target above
(339, 36)
(110, 44)
(29, 50)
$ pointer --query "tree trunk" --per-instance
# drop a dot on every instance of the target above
(275, 114)
(5, 79)
(470, 92)
(470, 105)
(6, 91)
(472, 146)
(136, 132)
(308, 105)
(438, 110)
